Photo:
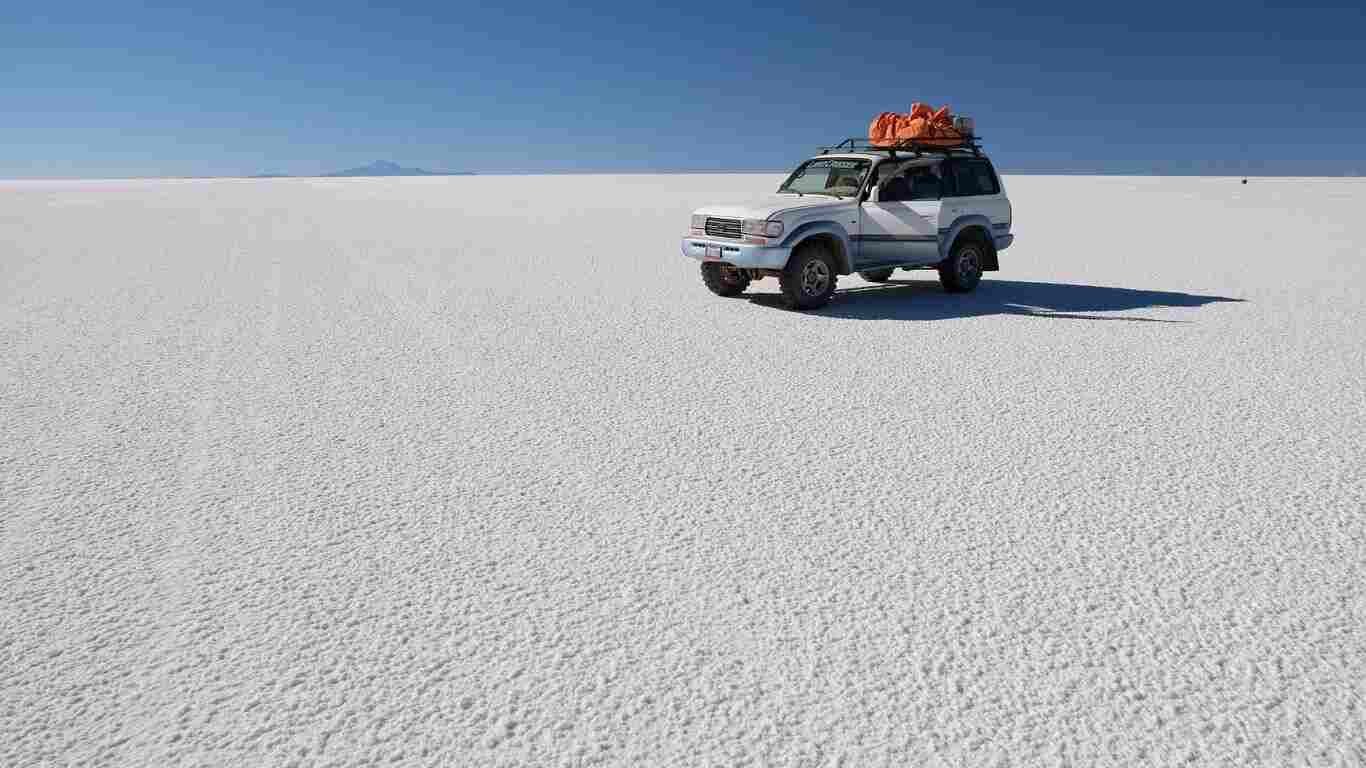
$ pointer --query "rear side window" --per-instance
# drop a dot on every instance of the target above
(973, 177)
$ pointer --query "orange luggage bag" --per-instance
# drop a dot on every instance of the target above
(921, 124)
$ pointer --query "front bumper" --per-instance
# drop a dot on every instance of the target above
(1003, 241)
(737, 254)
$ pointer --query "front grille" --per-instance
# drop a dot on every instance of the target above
(723, 227)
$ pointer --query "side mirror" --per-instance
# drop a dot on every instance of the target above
(873, 193)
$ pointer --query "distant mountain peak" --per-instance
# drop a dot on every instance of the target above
(390, 168)
(377, 168)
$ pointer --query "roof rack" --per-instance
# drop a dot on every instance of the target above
(917, 148)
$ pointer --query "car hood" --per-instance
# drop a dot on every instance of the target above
(770, 206)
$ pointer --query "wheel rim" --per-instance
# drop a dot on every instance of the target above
(815, 277)
(968, 264)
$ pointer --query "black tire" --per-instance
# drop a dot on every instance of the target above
(878, 275)
(723, 279)
(962, 270)
(809, 279)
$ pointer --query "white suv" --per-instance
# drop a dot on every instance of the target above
(869, 210)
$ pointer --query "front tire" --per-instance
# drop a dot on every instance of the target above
(723, 279)
(962, 270)
(877, 275)
(808, 280)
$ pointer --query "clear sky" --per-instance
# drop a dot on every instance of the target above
(130, 88)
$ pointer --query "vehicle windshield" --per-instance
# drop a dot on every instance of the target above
(827, 176)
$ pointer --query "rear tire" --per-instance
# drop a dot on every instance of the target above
(877, 275)
(723, 279)
(808, 280)
(962, 270)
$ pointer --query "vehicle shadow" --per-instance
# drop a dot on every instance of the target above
(927, 300)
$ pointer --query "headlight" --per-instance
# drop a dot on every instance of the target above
(761, 228)
(699, 222)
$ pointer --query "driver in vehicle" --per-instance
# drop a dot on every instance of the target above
(848, 179)
(916, 182)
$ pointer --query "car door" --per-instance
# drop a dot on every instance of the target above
(903, 229)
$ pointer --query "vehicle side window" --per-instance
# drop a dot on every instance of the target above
(880, 173)
(986, 178)
(895, 188)
(914, 183)
(973, 177)
(924, 186)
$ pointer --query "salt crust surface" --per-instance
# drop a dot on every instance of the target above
(474, 471)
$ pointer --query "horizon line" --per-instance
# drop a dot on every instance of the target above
(658, 172)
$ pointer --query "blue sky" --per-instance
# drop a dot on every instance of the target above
(142, 89)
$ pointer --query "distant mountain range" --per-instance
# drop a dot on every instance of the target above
(377, 168)
(386, 168)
